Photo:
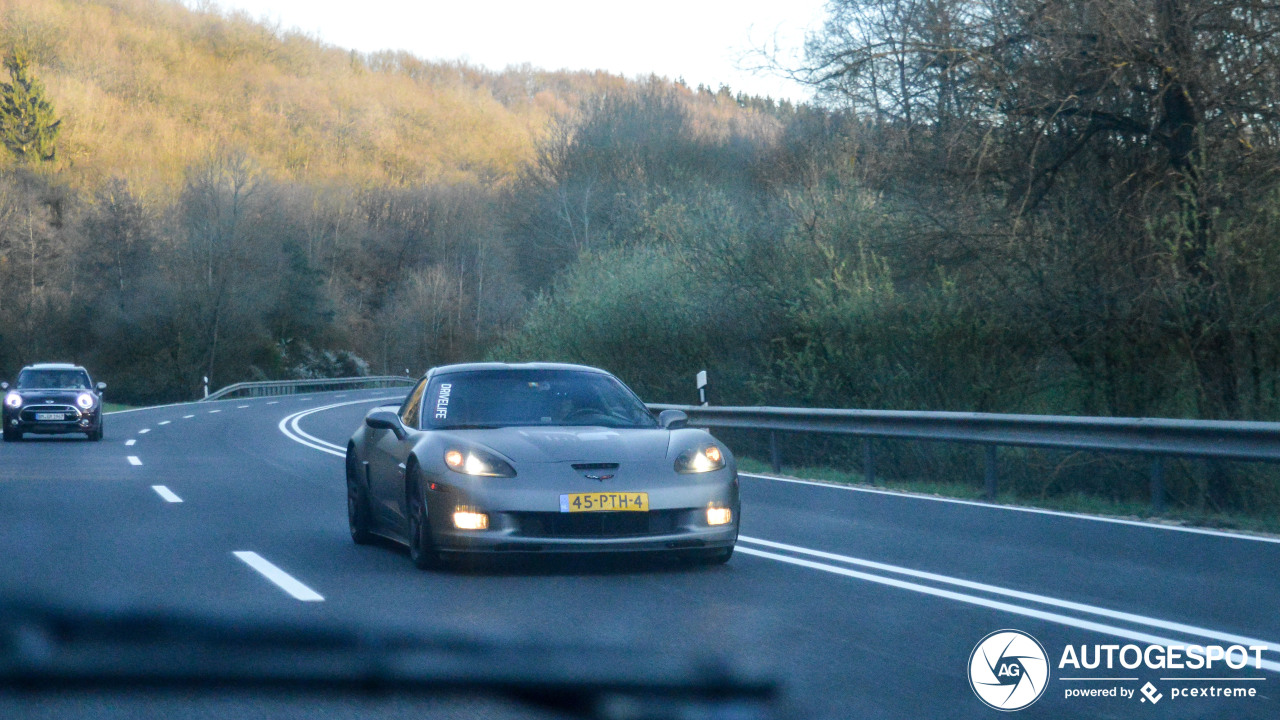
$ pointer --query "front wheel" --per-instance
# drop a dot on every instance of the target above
(96, 435)
(12, 435)
(718, 556)
(357, 506)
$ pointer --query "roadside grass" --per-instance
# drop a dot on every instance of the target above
(1074, 502)
(109, 407)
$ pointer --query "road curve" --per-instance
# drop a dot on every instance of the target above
(864, 604)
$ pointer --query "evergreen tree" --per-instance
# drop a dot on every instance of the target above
(28, 126)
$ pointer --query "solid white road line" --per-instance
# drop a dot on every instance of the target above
(289, 426)
(164, 422)
(133, 460)
(1091, 626)
(130, 442)
(187, 417)
(1017, 594)
(1014, 508)
(282, 579)
(166, 493)
(144, 431)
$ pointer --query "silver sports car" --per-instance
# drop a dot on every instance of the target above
(490, 457)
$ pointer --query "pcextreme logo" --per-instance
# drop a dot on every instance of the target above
(1008, 670)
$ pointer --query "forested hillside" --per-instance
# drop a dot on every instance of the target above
(200, 195)
(1067, 208)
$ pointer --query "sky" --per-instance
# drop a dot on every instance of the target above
(704, 42)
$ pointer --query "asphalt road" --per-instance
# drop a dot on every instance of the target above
(863, 604)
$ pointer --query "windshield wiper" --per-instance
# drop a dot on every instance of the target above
(470, 426)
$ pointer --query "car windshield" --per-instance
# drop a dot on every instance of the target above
(53, 379)
(503, 398)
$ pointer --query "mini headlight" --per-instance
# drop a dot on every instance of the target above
(700, 460)
(478, 462)
(85, 401)
(13, 400)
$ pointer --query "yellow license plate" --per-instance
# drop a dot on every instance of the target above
(604, 502)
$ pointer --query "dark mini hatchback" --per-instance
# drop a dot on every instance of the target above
(53, 398)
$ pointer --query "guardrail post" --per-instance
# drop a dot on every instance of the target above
(990, 472)
(1157, 484)
(868, 462)
(775, 457)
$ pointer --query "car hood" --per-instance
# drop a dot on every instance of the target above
(573, 444)
(31, 397)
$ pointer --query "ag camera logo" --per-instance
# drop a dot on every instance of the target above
(1008, 670)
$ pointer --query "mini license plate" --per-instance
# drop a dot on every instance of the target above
(50, 416)
(604, 502)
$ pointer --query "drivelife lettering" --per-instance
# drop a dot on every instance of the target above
(442, 401)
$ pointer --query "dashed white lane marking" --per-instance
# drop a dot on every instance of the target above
(187, 417)
(241, 407)
(214, 411)
(129, 442)
(164, 422)
(133, 460)
(282, 579)
(274, 402)
(144, 431)
(166, 493)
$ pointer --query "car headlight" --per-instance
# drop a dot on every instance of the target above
(700, 460)
(84, 400)
(13, 400)
(478, 462)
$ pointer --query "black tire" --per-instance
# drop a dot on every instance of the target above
(12, 435)
(719, 556)
(358, 515)
(422, 543)
(96, 435)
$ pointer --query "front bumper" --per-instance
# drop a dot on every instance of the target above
(24, 420)
(526, 518)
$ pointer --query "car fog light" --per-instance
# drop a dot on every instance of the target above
(467, 519)
(719, 516)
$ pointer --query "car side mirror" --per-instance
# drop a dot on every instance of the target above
(673, 419)
(4, 386)
(380, 419)
(101, 386)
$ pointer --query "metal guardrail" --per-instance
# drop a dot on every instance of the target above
(1157, 437)
(266, 388)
